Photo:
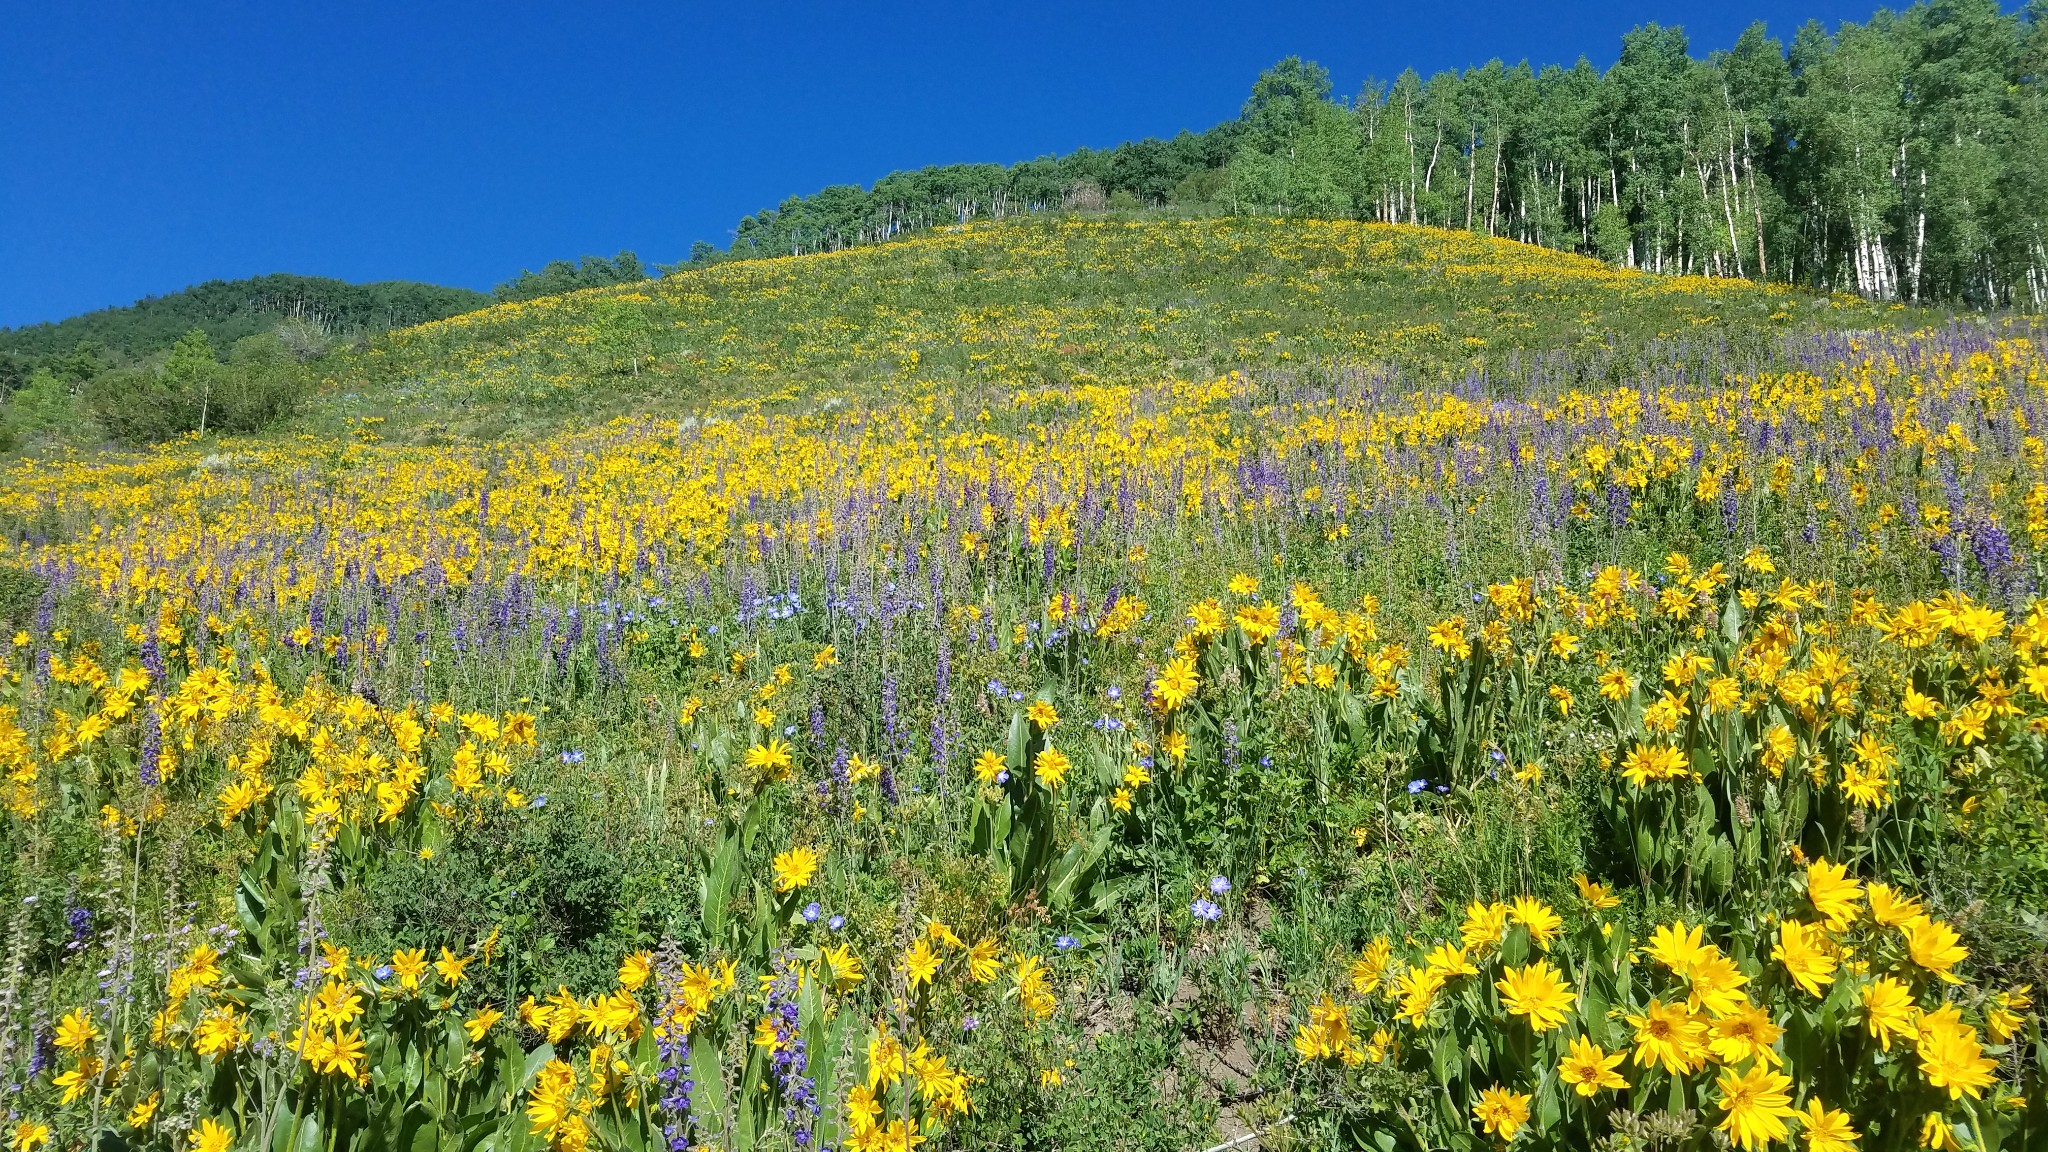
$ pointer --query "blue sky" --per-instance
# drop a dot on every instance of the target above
(148, 146)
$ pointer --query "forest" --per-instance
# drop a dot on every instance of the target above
(1904, 158)
(226, 310)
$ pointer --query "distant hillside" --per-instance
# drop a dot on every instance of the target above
(227, 310)
(1045, 302)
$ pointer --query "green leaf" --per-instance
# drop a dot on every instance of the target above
(1075, 866)
(535, 1061)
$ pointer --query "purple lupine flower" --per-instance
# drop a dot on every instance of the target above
(841, 777)
(674, 1050)
(789, 1067)
(153, 660)
(152, 747)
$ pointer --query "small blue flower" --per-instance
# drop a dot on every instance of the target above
(812, 912)
(1415, 786)
(789, 730)
(1205, 910)
(969, 1022)
(1115, 693)
(1265, 761)
(382, 972)
(836, 923)
(540, 801)
(1443, 789)
(572, 756)
(1218, 885)
(1003, 777)
(1066, 943)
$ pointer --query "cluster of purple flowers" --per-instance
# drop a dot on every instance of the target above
(789, 1068)
(674, 1047)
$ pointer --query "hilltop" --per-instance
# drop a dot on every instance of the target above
(1047, 301)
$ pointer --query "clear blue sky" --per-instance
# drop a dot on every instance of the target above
(148, 146)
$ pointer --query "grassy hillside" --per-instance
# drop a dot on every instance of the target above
(1093, 685)
(1045, 302)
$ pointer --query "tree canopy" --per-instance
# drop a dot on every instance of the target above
(227, 310)
(561, 276)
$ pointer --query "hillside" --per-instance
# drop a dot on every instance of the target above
(1094, 684)
(228, 310)
(1050, 302)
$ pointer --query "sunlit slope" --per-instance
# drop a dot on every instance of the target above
(1039, 302)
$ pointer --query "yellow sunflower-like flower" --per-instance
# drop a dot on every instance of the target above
(1537, 992)
(1755, 1105)
(1502, 1112)
(795, 868)
(1588, 1068)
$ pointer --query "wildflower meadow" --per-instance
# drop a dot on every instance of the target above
(1332, 689)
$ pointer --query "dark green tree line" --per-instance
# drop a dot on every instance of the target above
(227, 310)
(560, 276)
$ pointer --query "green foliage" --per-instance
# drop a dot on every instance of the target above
(46, 405)
(192, 391)
(21, 592)
(561, 276)
(227, 310)
(136, 407)
(1128, 1091)
(1612, 238)
(263, 381)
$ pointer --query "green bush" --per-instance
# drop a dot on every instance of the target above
(43, 406)
(194, 391)
(262, 384)
(137, 406)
